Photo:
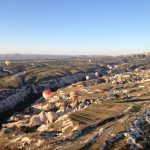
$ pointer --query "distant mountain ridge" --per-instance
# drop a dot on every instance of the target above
(31, 57)
(49, 57)
(44, 56)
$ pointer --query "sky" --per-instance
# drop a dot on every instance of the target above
(74, 27)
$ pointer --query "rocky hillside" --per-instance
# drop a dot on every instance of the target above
(15, 100)
(110, 112)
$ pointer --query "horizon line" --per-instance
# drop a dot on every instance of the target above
(76, 54)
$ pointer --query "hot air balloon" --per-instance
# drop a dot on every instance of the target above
(87, 77)
(7, 62)
(89, 60)
(46, 94)
(110, 67)
(97, 74)
(74, 95)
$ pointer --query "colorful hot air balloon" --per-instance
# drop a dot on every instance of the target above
(46, 94)
(97, 74)
(87, 77)
(7, 62)
(74, 95)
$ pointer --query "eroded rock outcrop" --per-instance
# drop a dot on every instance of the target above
(26, 93)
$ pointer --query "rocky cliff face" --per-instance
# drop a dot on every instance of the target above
(17, 101)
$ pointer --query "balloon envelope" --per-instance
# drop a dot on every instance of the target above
(46, 94)
(74, 94)
(7, 62)
(96, 74)
(87, 77)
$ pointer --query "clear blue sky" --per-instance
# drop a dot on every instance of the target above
(74, 26)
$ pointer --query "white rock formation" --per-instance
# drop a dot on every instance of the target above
(52, 116)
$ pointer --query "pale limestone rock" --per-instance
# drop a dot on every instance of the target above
(63, 106)
(52, 116)
(81, 106)
(60, 113)
(39, 143)
(62, 118)
(26, 139)
(38, 119)
(35, 120)
(19, 117)
(42, 128)
(14, 124)
(38, 106)
(49, 106)
(43, 116)
(58, 105)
